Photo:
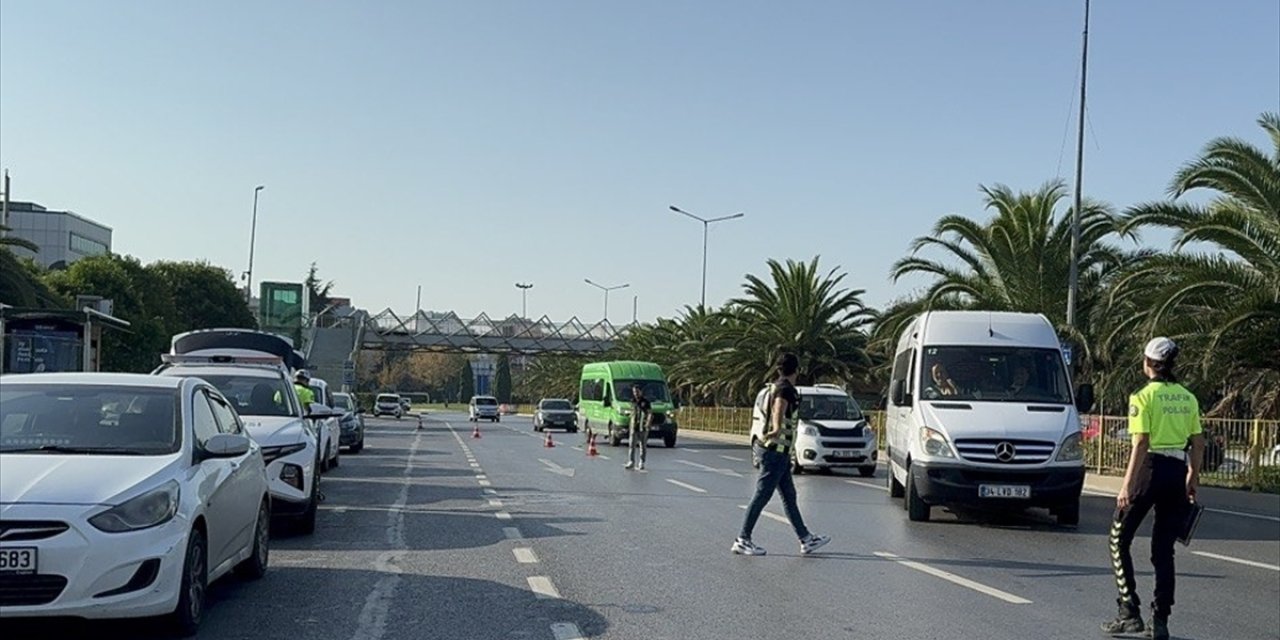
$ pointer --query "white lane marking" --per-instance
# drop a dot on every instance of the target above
(503, 515)
(686, 486)
(696, 465)
(869, 485)
(481, 476)
(1243, 514)
(954, 579)
(486, 483)
(492, 492)
(770, 515)
(692, 450)
(542, 588)
(1248, 563)
(372, 620)
(566, 631)
(555, 468)
(475, 465)
(495, 503)
(734, 458)
(512, 533)
(525, 555)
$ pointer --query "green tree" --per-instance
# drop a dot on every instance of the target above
(205, 296)
(140, 297)
(21, 284)
(7, 241)
(466, 381)
(502, 379)
(317, 289)
(1224, 302)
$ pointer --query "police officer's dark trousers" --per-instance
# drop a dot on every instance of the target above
(1161, 484)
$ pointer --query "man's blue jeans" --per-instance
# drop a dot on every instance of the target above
(775, 474)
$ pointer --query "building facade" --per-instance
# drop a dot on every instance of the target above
(63, 236)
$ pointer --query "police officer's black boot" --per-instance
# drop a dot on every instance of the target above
(1159, 629)
(1128, 620)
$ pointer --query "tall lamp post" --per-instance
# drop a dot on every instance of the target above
(606, 291)
(706, 223)
(253, 236)
(524, 298)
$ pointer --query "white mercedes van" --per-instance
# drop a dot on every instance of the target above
(981, 412)
(832, 431)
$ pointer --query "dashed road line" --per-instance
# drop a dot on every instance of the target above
(495, 503)
(692, 450)
(1241, 514)
(503, 515)
(512, 533)
(697, 465)
(686, 485)
(869, 485)
(770, 515)
(566, 631)
(1247, 563)
(525, 555)
(486, 483)
(954, 579)
(542, 588)
(733, 458)
(492, 492)
(481, 476)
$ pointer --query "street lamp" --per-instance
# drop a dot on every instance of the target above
(253, 233)
(706, 223)
(524, 298)
(606, 291)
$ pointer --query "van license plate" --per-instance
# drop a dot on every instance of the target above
(1004, 491)
(19, 560)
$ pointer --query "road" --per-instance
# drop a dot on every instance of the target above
(434, 534)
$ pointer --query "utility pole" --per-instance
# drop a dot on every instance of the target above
(4, 207)
(706, 223)
(417, 306)
(253, 236)
(1073, 290)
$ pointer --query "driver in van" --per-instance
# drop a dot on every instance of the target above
(942, 382)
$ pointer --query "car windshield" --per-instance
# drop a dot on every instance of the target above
(994, 374)
(342, 402)
(654, 390)
(254, 395)
(556, 405)
(388, 399)
(827, 406)
(89, 419)
(486, 401)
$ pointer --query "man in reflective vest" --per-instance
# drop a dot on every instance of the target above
(774, 453)
(301, 383)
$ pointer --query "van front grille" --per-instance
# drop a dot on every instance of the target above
(1010, 451)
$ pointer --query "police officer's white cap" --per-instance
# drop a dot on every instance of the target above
(1160, 349)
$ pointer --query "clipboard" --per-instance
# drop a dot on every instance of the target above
(1188, 530)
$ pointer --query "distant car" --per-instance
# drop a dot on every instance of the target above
(124, 496)
(555, 414)
(388, 404)
(484, 408)
(352, 421)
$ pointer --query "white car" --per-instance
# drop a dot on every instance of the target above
(328, 430)
(484, 408)
(388, 404)
(264, 397)
(124, 496)
(831, 431)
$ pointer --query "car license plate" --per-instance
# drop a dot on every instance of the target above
(1004, 491)
(18, 560)
(844, 454)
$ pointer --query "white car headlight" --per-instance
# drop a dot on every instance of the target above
(1071, 449)
(934, 443)
(808, 430)
(150, 509)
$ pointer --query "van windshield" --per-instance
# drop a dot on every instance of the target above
(994, 374)
(654, 390)
(828, 406)
(388, 399)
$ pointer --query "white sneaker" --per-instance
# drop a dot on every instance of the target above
(628, 465)
(640, 467)
(744, 547)
(811, 543)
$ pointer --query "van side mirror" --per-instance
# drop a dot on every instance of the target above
(1084, 398)
(898, 394)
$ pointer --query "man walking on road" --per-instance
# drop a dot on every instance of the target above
(639, 436)
(774, 454)
(1163, 419)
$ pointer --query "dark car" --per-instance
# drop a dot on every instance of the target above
(555, 414)
(351, 422)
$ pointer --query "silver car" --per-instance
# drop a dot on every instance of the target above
(555, 414)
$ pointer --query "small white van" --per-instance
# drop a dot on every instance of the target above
(831, 431)
(981, 412)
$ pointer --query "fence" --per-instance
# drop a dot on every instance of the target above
(1238, 453)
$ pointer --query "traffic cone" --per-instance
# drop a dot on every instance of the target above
(548, 444)
(419, 420)
(475, 433)
(591, 446)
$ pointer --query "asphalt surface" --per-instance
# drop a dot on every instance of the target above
(434, 534)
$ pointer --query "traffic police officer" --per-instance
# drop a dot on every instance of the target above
(1163, 419)
(301, 382)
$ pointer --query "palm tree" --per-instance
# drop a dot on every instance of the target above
(802, 311)
(1225, 302)
(19, 286)
(7, 240)
(1018, 260)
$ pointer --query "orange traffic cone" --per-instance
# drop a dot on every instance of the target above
(476, 432)
(591, 446)
(548, 444)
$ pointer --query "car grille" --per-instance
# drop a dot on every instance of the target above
(657, 419)
(19, 591)
(1005, 450)
(828, 432)
(20, 530)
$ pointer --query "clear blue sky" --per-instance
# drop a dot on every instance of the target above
(465, 146)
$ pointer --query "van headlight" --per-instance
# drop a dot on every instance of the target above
(1071, 449)
(808, 430)
(148, 510)
(934, 443)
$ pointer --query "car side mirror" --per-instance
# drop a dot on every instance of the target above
(317, 411)
(225, 445)
(1084, 398)
(608, 402)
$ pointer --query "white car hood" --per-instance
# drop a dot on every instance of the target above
(270, 431)
(74, 479)
(999, 420)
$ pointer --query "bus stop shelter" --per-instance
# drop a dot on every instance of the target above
(36, 340)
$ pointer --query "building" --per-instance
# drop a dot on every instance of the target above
(63, 236)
